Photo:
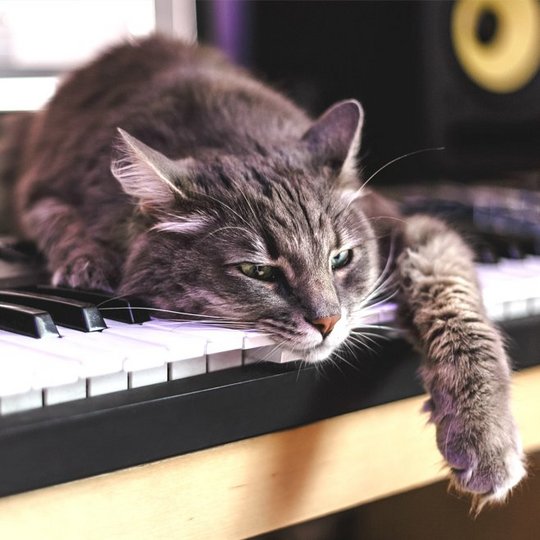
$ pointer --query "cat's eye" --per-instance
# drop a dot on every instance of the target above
(263, 272)
(341, 259)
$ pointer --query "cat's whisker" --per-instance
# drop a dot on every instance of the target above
(363, 338)
(387, 284)
(321, 367)
(399, 158)
(382, 216)
(278, 345)
(362, 342)
(256, 217)
(377, 295)
(376, 326)
(174, 312)
(376, 336)
(274, 349)
(368, 305)
(221, 229)
(232, 210)
(385, 278)
(344, 359)
(364, 335)
(386, 271)
(337, 364)
(111, 299)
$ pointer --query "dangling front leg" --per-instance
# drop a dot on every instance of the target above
(465, 368)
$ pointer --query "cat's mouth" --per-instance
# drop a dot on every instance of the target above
(313, 348)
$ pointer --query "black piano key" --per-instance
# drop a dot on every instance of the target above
(27, 321)
(506, 247)
(19, 251)
(119, 309)
(531, 245)
(484, 251)
(64, 311)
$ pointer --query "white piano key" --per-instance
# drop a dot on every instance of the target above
(54, 372)
(270, 353)
(534, 306)
(33, 399)
(187, 368)
(528, 267)
(495, 310)
(65, 392)
(106, 384)
(254, 338)
(219, 339)
(15, 377)
(224, 360)
(516, 309)
(137, 354)
(185, 346)
(289, 356)
(92, 361)
(532, 262)
(47, 369)
(510, 286)
(146, 377)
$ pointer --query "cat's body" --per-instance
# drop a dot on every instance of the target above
(256, 217)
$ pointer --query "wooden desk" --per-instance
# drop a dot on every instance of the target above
(249, 487)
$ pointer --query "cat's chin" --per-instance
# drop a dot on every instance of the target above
(320, 352)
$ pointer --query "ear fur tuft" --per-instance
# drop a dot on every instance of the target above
(147, 175)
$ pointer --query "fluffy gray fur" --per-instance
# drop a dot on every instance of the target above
(212, 169)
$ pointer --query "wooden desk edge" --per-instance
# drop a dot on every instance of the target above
(249, 487)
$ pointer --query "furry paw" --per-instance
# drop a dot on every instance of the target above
(83, 271)
(485, 457)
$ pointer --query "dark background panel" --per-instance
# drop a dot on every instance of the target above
(398, 59)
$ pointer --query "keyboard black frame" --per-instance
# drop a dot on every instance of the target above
(102, 434)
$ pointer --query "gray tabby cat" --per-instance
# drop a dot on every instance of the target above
(224, 199)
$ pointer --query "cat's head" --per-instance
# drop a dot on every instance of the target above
(274, 240)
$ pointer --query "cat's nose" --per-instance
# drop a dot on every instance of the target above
(325, 324)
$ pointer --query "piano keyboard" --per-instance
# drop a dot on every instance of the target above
(97, 356)
(73, 364)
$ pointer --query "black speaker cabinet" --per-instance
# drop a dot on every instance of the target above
(480, 72)
(462, 74)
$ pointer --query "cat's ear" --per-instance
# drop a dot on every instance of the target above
(147, 175)
(334, 139)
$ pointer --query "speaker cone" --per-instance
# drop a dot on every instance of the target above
(497, 42)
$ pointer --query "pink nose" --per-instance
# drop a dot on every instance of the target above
(325, 324)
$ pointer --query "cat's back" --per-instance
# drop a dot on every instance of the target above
(121, 76)
(150, 87)
(182, 100)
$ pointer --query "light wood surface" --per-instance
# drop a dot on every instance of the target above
(249, 487)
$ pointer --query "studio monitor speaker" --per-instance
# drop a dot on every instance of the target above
(461, 74)
(481, 79)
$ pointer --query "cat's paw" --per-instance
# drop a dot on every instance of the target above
(485, 458)
(83, 271)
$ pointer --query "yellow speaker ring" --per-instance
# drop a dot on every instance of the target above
(511, 57)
